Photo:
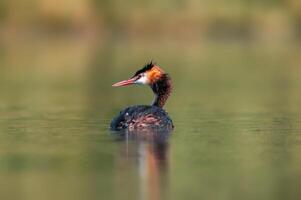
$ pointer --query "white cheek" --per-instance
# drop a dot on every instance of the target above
(143, 80)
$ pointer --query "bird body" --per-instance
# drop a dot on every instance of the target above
(141, 118)
(146, 118)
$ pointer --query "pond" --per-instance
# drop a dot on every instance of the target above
(235, 107)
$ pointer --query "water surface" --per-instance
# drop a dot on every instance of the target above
(235, 108)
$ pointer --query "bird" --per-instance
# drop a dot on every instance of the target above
(146, 118)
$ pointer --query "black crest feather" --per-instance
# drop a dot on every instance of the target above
(146, 67)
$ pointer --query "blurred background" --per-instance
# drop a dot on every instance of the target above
(236, 69)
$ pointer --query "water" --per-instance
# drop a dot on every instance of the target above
(235, 108)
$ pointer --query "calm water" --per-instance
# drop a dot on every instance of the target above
(236, 108)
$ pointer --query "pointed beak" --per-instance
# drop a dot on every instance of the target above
(125, 82)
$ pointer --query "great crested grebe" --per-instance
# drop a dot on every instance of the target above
(140, 118)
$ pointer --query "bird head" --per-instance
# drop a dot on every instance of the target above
(148, 75)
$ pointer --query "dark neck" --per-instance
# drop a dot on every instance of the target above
(162, 89)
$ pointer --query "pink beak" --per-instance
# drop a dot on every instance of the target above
(125, 82)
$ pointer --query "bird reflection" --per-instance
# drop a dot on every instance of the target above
(147, 153)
